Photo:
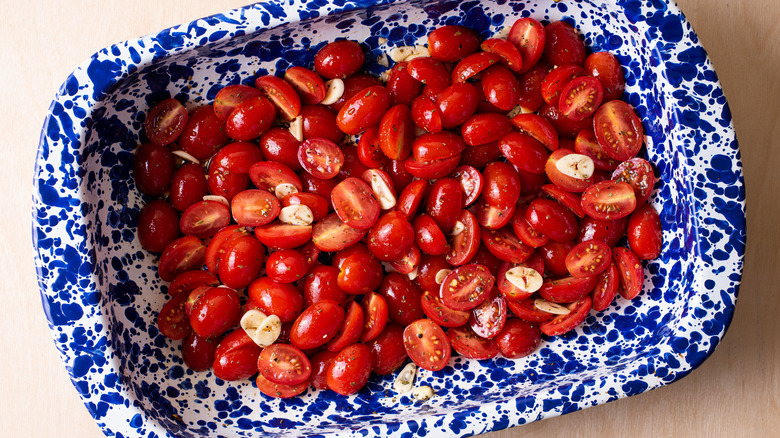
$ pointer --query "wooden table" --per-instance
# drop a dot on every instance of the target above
(734, 393)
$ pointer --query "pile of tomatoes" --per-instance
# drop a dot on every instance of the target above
(346, 225)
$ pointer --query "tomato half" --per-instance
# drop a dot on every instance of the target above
(436, 311)
(567, 289)
(606, 68)
(527, 311)
(563, 323)
(376, 315)
(609, 200)
(503, 244)
(427, 345)
(552, 219)
(581, 97)
(284, 364)
(396, 132)
(632, 275)
(253, 208)
(606, 288)
(339, 59)
(466, 287)
(183, 254)
(501, 87)
(509, 53)
(355, 203)
(387, 350)
(402, 86)
(279, 390)
(284, 236)
(215, 311)
(172, 320)
(489, 318)
(228, 98)
(250, 119)
(645, 235)
(236, 356)
(241, 262)
(350, 330)
(528, 36)
(587, 144)
(391, 237)
(638, 173)
(618, 129)
(282, 94)
(274, 298)
(320, 157)
(359, 270)
(363, 110)
(309, 84)
(465, 244)
(588, 258)
(165, 122)
(429, 71)
(469, 344)
(331, 234)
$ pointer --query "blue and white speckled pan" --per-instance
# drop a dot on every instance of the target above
(101, 293)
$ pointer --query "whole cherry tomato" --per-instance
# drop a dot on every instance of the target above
(452, 43)
(274, 298)
(518, 338)
(215, 311)
(158, 225)
(204, 133)
(317, 325)
(387, 351)
(153, 168)
(198, 352)
(391, 236)
(339, 59)
(645, 235)
(236, 356)
(350, 370)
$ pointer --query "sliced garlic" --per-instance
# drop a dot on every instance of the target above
(405, 380)
(441, 275)
(388, 267)
(518, 110)
(296, 128)
(576, 166)
(186, 156)
(503, 33)
(298, 214)
(524, 278)
(217, 198)
(546, 306)
(261, 328)
(382, 191)
(335, 89)
(407, 53)
(284, 189)
(458, 228)
(412, 275)
(384, 76)
(382, 60)
(381, 40)
(423, 393)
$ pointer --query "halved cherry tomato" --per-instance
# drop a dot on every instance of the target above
(502, 185)
(217, 310)
(527, 311)
(252, 208)
(350, 330)
(609, 200)
(355, 203)
(469, 344)
(570, 200)
(204, 133)
(172, 320)
(466, 287)
(278, 235)
(444, 203)
(376, 314)
(473, 64)
(435, 309)
(606, 288)
(457, 103)
(411, 197)
(320, 121)
(552, 219)
(236, 356)
(588, 259)
(363, 110)
(241, 262)
(608, 231)
(428, 236)
(339, 59)
(198, 352)
(587, 144)
(471, 183)
(638, 173)
(563, 44)
(566, 128)
(489, 318)
(645, 235)
(321, 284)
(165, 122)
(369, 149)
(618, 129)
(279, 390)
(188, 186)
(317, 325)
(487, 259)
(427, 345)
(518, 339)
(606, 68)
(427, 270)
(524, 152)
(359, 270)
(525, 232)
(396, 132)
(275, 298)
(632, 274)
(183, 254)
(465, 244)
(250, 119)
(320, 157)
(186, 282)
(429, 71)
(581, 97)
(402, 86)
(554, 255)
(268, 175)
(331, 234)
(560, 179)
(503, 244)
(158, 225)
(310, 86)
(564, 323)
(237, 157)
(350, 370)
(282, 94)
(509, 290)
(318, 205)
(286, 266)
(555, 81)
(225, 183)
(402, 297)
(387, 351)
(407, 263)
(510, 55)
(501, 87)
(484, 128)
(230, 96)
(153, 168)
(284, 364)
(452, 43)
(437, 146)
(528, 36)
(217, 245)
(567, 289)
(429, 170)
(426, 114)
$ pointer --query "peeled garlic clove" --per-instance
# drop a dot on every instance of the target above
(458, 228)
(186, 156)
(261, 328)
(335, 89)
(546, 306)
(441, 275)
(518, 110)
(412, 275)
(383, 193)
(284, 189)
(407, 53)
(296, 215)
(576, 166)
(524, 278)
(405, 380)
(296, 128)
(217, 198)
(423, 393)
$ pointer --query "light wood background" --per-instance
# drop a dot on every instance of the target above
(735, 393)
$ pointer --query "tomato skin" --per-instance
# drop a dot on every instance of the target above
(587, 144)
(503, 244)
(427, 269)
(198, 352)
(558, 78)
(153, 168)
(437, 146)
(529, 36)
(430, 169)
(444, 203)
(452, 43)
(319, 121)
(509, 290)
(359, 270)
(429, 237)
(531, 86)
(319, 206)
(552, 219)
(502, 185)
(489, 318)
(282, 94)
(391, 236)
(508, 52)
(350, 330)
(411, 197)
(396, 132)
(157, 225)
(473, 64)
(609, 200)
(339, 59)
(376, 316)
(387, 351)
(427, 345)
(403, 298)
(436, 311)
(363, 110)
(172, 319)
(355, 203)
(524, 152)
(186, 282)
(632, 275)
(216, 310)
(618, 130)
(482, 155)
(350, 370)
(309, 84)
(607, 231)
(606, 288)
(237, 157)
(266, 175)
(283, 236)
(183, 254)
(468, 344)
(606, 68)
(278, 144)
(484, 128)
(242, 262)
(402, 86)
(465, 244)
(525, 232)
(273, 298)
(518, 338)
(230, 96)
(466, 287)
(501, 87)
(565, 127)
(429, 71)
(563, 323)
(588, 258)
(204, 133)
(581, 97)
(188, 186)
(645, 235)
(527, 311)
(317, 325)
(321, 284)
(331, 234)
(457, 103)
(567, 289)
(225, 183)
(426, 114)
(217, 245)
(286, 266)
(279, 390)
(638, 173)
(319, 368)
(563, 44)
(554, 255)
(165, 122)
(236, 356)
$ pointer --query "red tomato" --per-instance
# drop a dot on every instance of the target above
(387, 351)
(274, 298)
(230, 96)
(606, 288)
(369, 150)
(429, 237)
(632, 275)
(198, 352)
(320, 363)
(286, 266)
(355, 203)
(216, 310)
(237, 157)
(645, 235)
(489, 318)
(484, 128)
(402, 86)
(321, 187)
(554, 255)
(452, 43)
(352, 86)
(278, 144)
(318, 205)
(331, 234)
(279, 390)
(563, 44)
(510, 55)
(480, 156)
(236, 356)
(283, 236)
(411, 197)
(638, 173)
(391, 237)
(317, 325)
(531, 86)
(165, 122)
(376, 314)
(472, 65)
(501, 87)
(321, 284)
(225, 183)
(518, 339)
(457, 103)
(284, 364)
(492, 217)
(587, 144)
(581, 97)
(560, 179)
(253, 208)
(437, 146)
(282, 94)
(609, 200)
(525, 232)
(267, 175)
(555, 81)
(217, 245)
(320, 157)
(552, 219)
(527, 311)
(466, 287)
(427, 345)
(471, 183)
(158, 225)
(183, 254)
(320, 122)
(606, 68)
(570, 200)
(565, 127)
(524, 152)
(188, 186)
(339, 59)
(588, 259)
(502, 185)
(563, 323)
(528, 36)
(396, 132)
(503, 244)
(250, 119)
(426, 114)
(436, 311)
(241, 262)
(618, 129)
(309, 85)
(403, 298)
(464, 245)
(350, 370)
(172, 319)
(567, 289)
(352, 165)
(153, 168)
(608, 231)
(538, 128)
(427, 270)
(351, 329)
(444, 203)
(429, 71)
(186, 282)
(468, 344)
(509, 290)
(359, 270)
(429, 170)
(204, 133)
(363, 110)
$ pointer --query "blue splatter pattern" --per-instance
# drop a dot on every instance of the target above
(101, 294)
